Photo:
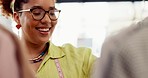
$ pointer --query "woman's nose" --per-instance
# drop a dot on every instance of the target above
(46, 18)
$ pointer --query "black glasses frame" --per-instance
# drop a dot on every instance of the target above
(30, 10)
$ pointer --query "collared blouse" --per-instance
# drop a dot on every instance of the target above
(74, 62)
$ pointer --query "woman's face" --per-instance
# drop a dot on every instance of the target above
(37, 31)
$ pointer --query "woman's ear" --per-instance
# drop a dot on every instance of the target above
(17, 20)
(16, 17)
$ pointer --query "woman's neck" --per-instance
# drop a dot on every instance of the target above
(34, 49)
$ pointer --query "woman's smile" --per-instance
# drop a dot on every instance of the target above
(43, 30)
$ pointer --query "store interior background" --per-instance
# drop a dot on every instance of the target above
(87, 24)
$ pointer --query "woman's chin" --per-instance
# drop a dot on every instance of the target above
(43, 40)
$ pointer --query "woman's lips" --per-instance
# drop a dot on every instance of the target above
(43, 31)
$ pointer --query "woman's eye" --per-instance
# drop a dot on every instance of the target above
(52, 14)
(36, 13)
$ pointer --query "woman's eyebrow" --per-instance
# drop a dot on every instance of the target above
(36, 7)
(51, 8)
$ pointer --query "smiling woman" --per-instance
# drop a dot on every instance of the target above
(38, 19)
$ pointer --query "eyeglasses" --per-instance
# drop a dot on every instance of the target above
(39, 13)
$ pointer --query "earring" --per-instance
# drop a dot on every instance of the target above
(18, 26)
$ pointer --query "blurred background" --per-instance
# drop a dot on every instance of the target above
(86, 23)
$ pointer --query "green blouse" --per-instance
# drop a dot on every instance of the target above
(74, 62)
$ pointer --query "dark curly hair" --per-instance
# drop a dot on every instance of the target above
(6, 6)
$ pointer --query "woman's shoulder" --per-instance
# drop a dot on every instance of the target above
(74, 52)
(79, 53)
(73, 49)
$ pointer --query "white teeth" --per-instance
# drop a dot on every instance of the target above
(43, 29)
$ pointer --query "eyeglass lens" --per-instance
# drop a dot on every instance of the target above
(38, 14)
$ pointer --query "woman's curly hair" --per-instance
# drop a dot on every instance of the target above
(7, 7)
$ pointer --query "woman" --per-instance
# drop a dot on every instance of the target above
(38, 19)
(12, 60)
